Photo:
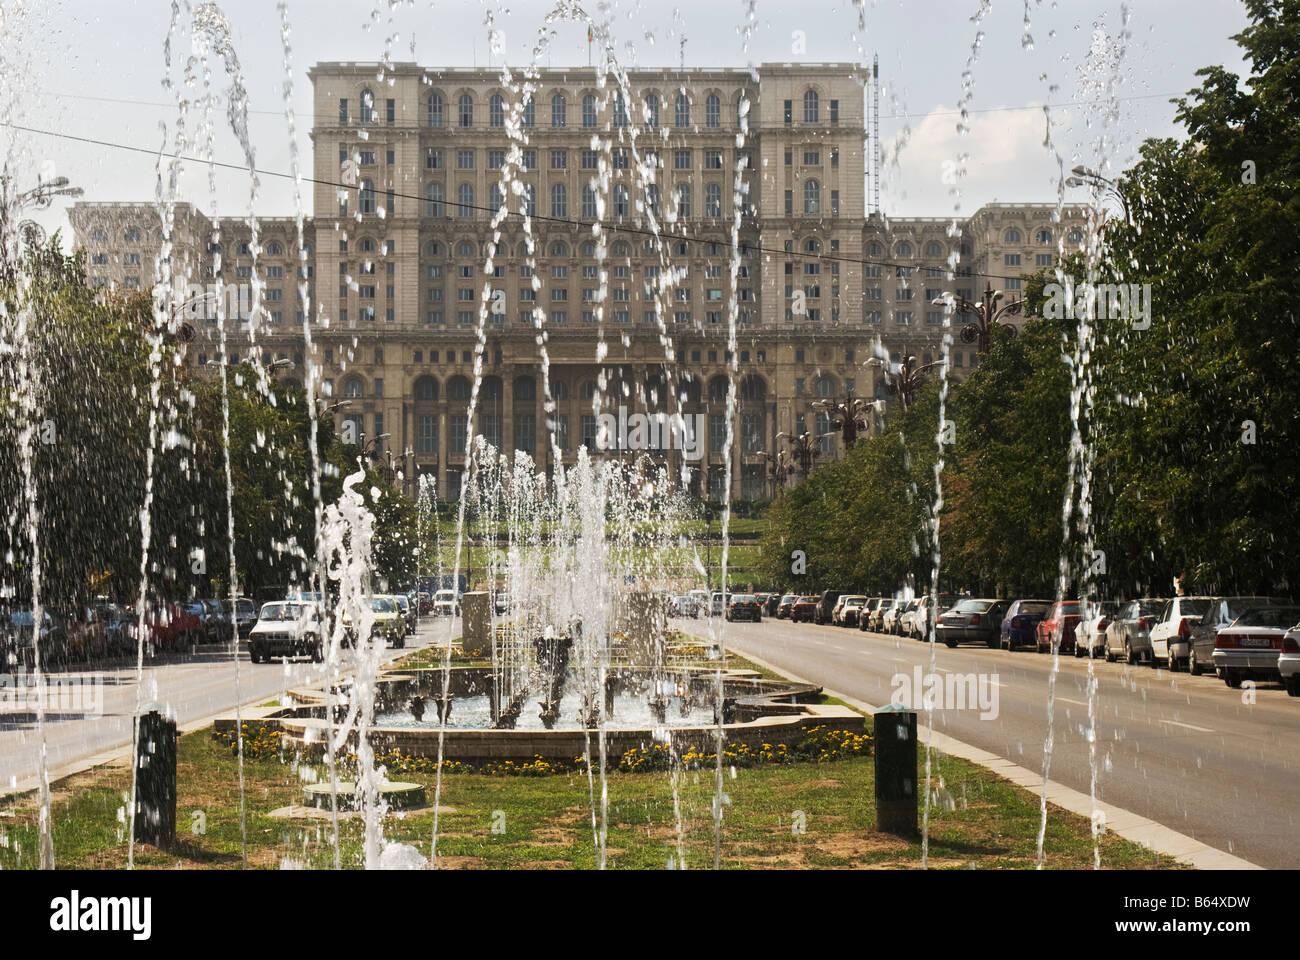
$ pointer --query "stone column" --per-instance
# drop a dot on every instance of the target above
(476, 623)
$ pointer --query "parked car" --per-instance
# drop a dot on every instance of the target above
(916, 622)
(16, 639)
(1058, 627)
(1249, 648)
(683, 605)
(864, 614)
(784, 606)
(803, 610)
(876, 621)
(286, 629)
(1288, 661)
(972, 620)
(407, 610)
(388, 627)
(717, 604)
(1129, 633)
(1171, 634)
(1221, 612)
(1020, 623)
(701, 598)
(446, 604)
(1090, 634)
(893, 616)
(850, 609)
(117, 620)
(84, 635)
(744, 606)
(773, 601)
(826, 606)
(244, 614)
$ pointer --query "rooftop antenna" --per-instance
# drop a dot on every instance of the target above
(875, 133)
(681, 45)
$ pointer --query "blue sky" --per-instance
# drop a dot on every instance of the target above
(95, 70)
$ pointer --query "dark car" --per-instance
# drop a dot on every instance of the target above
(785, 605)
(803, 609)
(117, 626)
(744, 606)
(868, 608)
(826, 606)
(245, 615)
(1020, 623)
(978, 621)
(773, 601)
(85, 637)
(16, 644)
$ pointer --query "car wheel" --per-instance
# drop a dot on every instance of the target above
(1293, 686)
(1193, 665)
(1232, 679)
(1171, 662)
(254, 654)
(1078, 649)
(1129, 657)
(993, 644)
(952, 644)
(1110, 657)
(317, 651)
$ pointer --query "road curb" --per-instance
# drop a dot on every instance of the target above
(1124, 823)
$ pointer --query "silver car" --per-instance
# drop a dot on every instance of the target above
(1288, 661)
(1221, 613)
(1249, 649)
(1129, 633)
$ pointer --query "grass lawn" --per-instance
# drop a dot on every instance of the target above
(977, 820)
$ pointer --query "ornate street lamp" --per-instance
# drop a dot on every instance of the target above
(38, 197)
(803, 450)
(1085, 177)
(904, 380)
(988, 316)
(848, 416)
(778, 468)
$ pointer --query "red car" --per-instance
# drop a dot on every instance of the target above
(1059, 625)
(170, 626)
(805, 608)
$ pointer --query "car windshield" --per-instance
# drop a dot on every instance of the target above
(742, 598)
(1150, 608)
(281, 611)
(1280, 617)
(973, 606)
(808, 599)
(1236, 606)
(1193, 608)
(1034, 606)
(383, 605)
(886, 603)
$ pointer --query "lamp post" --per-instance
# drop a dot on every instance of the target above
(904, 379)
(847, 415)
(38, 197)
(1086, 177)
(803, 450)
(988, 315)
(778, 469)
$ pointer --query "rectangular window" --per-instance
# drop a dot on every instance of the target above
(812, 158)
(426, 433)
(590, 160)
(560, 427)
(1011, 260)
(835, 111)
(589, 431)
(530, 159)
(464, 159)
(459, 429)
(559, 159)
(390, 111)
(712, 159)
(433, 159)
(717, 432)
(789, 111)
(681, 159)
(496, 159)
(789, 203)
(343, 110)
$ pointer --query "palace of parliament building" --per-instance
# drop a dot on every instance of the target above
(408, 174)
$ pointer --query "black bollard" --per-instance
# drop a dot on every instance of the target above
(155, 789)
(895, 753)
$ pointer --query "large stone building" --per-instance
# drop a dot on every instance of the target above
(409, 172)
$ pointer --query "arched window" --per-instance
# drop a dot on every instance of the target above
(688, 390)
(426, 390)
(368, 114)
(433, 248)
(433, 197)
(718, 388)
(528, 200)
(435, 115)
(465, 110)
(933, 249)
(559, 110)
(810, 107)
(496, 111)
(465, 249)
(559, 200)
(683, 200)
(1044, 237)
(530, 113)
(458, 389)
(875, 250)
(620, 200)
(812, 194)
(825, 387)
(1012, 236)
(682, 111)
(588, 389)
(713, 200)
(589, 206)
(903, 249)
(712, 111)
(589, 110)
(559, 249)
(525, 388)
(496, 199)
(1076, 236)
(651, 114)
(812, 245)
(367, 245)
(353, 387)
(620, 248)
(465, 200)
(588, 249)
(273, 249)
(366, 196)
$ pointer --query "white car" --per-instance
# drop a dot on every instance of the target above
(1171, 634)
(1090, 633)
(892, 622)
(1252, 646)
(848, 611)
(286, 629)
(1288, 661)
(446, 604)
(717, 605)
(837, 613)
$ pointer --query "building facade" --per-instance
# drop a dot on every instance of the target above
(642, 216)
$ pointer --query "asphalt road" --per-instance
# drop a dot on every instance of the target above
(93, 716)
(1184, 751)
